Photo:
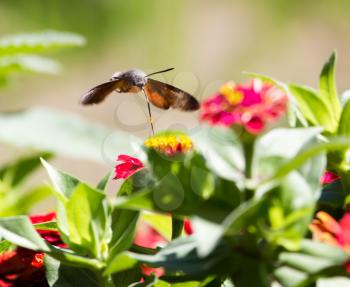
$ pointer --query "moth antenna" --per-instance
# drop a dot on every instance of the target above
(162, 71)
(149, 112)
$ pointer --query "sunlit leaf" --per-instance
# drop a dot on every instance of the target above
(21, 232)
(119, 263)
(313, 108)
(222, 151)
(86, 218)
(16, 171)
(327, 88)
(344, 123)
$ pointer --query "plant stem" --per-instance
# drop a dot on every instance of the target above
(75, 260)
(177, 226)
(248, 150)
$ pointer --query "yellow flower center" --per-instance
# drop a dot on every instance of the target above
(233, 96)
(170, 144)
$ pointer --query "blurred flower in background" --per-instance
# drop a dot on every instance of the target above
(329, 177)
(326, 229)
(252, 106)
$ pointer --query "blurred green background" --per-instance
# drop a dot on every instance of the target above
(208, 42)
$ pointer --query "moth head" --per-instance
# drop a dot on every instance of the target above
(116, 75)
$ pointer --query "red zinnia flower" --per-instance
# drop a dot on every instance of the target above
(129, 166)
(50, 235)
(24, 267)
(251, 106)
(40, 218)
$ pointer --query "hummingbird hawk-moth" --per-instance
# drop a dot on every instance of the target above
(159, 94)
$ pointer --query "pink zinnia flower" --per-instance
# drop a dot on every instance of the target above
(328, 177)
(128, 167)
(251, 106)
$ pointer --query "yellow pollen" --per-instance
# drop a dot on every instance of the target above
(233, 96)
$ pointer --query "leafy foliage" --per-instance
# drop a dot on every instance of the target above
(250, 199)
(15, 197)
(20, 53)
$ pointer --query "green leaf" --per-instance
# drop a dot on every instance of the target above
(39, 42)
(86, 218)
(19, 230)
(290, 211)
(335, 144)
(284, 142)
(181, 255)
(279, 146)
(344, 123)
(140, 200)
(28, 200)
(313, 108)
(60, 275)
(71, 259)
(49, 225)
(221, 149)
(123, 230)
(15, 172)
(28, 63)
(307, 263)
(207, 235)
(313, 260)
(120, 263)
(5, 245)
(323, 250)
(67, 135)
(104, 181)
(63, 183)
(289, 277)
(327, 88)
(334, 281)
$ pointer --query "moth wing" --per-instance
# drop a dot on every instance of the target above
(164, 96)
(99, 93)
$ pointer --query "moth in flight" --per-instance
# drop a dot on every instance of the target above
(159, 94)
